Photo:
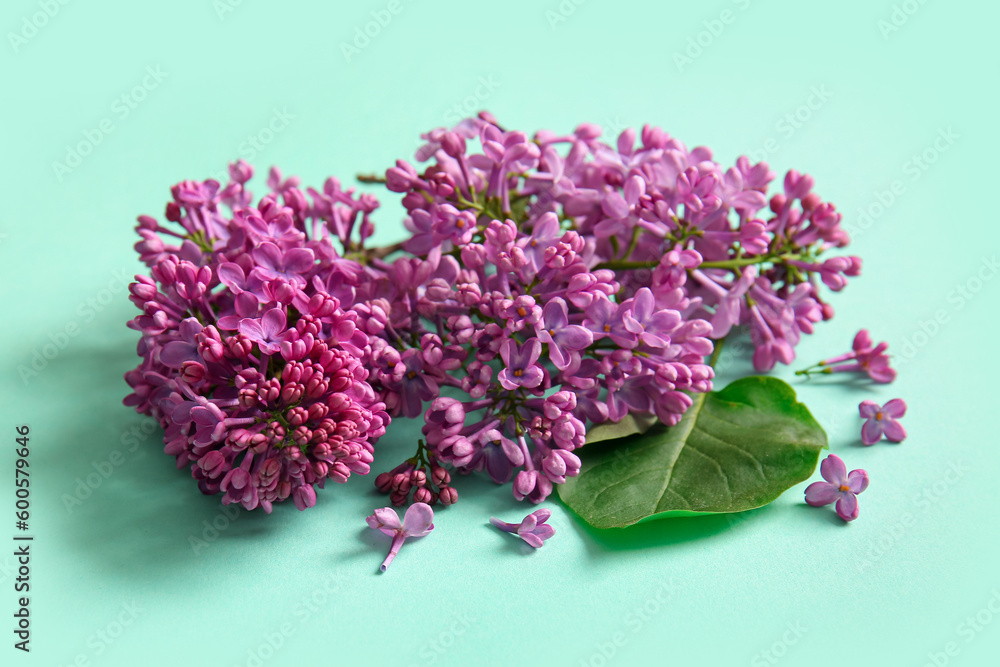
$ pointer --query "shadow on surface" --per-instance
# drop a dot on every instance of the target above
(821, 514)
(853, 381)
(121, 500)
(660, 532)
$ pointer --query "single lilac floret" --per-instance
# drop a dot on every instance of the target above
(840, 487)
(881, 420)
(533, 529)
(417, 522)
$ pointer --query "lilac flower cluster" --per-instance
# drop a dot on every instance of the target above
(252, 360)
(547, 283)
(555, 281)
(412, 475)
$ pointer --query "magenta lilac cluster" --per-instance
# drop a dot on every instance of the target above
(252, 359)
(547, 283)
(554, 282)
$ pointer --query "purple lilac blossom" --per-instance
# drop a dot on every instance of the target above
(594, 273)
(840, 487)
(256, 373)
(533, 529)
(546, 284)
(417, 522)
(882, 420)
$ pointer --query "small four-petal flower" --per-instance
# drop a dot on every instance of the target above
(840, 487)
(881, 420)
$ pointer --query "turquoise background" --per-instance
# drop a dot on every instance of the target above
(115, 579)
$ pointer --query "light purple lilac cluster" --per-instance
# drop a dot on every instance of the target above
(556, 282)
(252, 360)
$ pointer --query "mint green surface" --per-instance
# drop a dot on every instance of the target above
(116, 581)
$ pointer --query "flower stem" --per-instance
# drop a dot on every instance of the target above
(503, 525)
(716, 352)
(397, 542)
(621, 265)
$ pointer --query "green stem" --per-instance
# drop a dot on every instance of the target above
(633, 243)
(620, 265)
(716, 352)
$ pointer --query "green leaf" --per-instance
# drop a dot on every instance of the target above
(734, 450)
(632, 424)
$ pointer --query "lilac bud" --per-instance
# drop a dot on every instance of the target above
(524, 483)
(473, 256)
(240, 171)
(422, 495)
(448, 495)
(192, 372)
(401, 482)
(383, 482)
(438, 290)
(453, 144)
(440, 476)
